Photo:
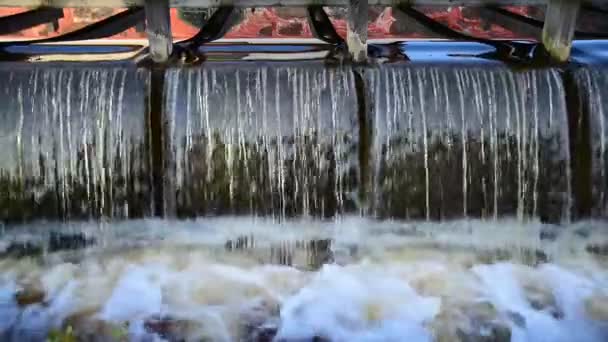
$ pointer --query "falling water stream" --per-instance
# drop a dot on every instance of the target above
(303, 203)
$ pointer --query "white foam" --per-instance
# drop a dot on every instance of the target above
(392, 289)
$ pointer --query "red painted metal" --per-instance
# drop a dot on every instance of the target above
(277, 23)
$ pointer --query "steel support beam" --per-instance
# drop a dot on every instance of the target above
(102, 29)
(21, 21)
(215, 28)
(520, 25)
(560, 25)
(526, 23)
(158, 27)
(321, 26)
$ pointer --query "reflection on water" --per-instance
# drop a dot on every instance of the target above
(247, 279)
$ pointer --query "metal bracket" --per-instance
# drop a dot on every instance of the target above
(560, 24)
(158, 27)
(356, 34)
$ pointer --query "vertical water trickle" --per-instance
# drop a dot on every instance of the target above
(275, 140)
(476, 148)
(425, 134)
(68, 151)
(588, 91)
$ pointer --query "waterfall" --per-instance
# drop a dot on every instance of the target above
(592, 84)
(470, 142)
(278, 141)
(441, 142)
(73, 143)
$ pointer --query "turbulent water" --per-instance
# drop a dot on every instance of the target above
(353, 280)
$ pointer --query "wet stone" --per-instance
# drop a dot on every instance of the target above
(29, 296)
(168, 328)
(21, 250)
(90, 329)
(260, 322)
(478, 322)
(583, 232)
(60, 241)
(533, 257)
(598, 249)
(263, 333)
(319, 253)
(517, 318)
(542, 300)
(493, 256)
(549, 233)
(490, 332)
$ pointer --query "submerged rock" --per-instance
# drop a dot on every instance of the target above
(525, 255)
(542, 299)
(66, 335)
(29, 296)
(549, 233)
(489, 332)
(21, 250)
(86, 327)
(583, 233)
(494, 256)
(174, 329)
(263, 333)
(61, 241)
(260, 322)
(475, 322)
(600, 249)
(319, 253)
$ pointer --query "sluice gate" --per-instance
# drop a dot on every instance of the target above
(326, 127)
(435, 142)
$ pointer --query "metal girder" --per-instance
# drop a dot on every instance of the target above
(518, 24)
(322, 27)
(101, 29)
(21, 21)
(525, 25)
(275, 3)
(215, 28)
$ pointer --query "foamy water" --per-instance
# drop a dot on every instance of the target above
(353, 280)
